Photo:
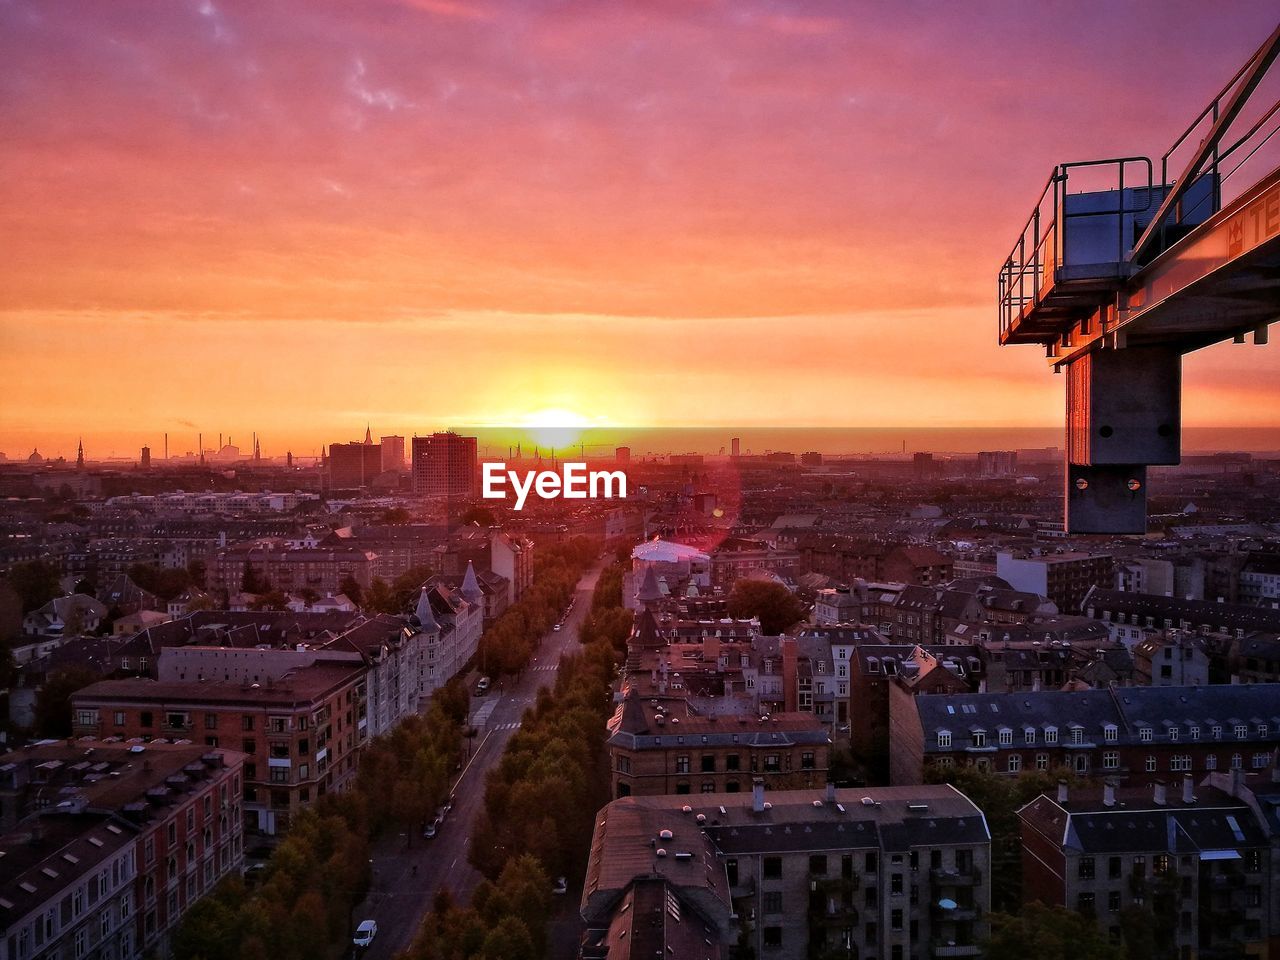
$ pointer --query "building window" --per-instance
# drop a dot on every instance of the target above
(1237, 762)
(1113, 901)
(1193, 732)
(1077, 735)
(772, 901)
(773, 937)
(1042, 761)
(1029, 736)
(1086, 870)
(1242, 730)
(682, 764)
(1051, 735)
(246, 723)
(1015, 762)
(979, 738)
(1144, 734)
(807, 760)
(1151, 764)
(1211, 762)
(818, 864)
(944, 738)
(772, 867)
(1110, 759)
(1109, 733)
(1006, 738)
(732, 762)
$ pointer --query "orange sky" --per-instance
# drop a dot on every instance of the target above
(301, 216)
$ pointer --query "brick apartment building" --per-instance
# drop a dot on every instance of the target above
(1064, 578)
(291, 570)
(300, 732)
(658, 750)
(174, 812)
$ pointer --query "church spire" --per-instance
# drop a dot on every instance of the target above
(368, 435)
(80, 455)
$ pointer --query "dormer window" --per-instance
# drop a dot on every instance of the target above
(1173, 733)
(944, 739)
(1144, 734)
(979, 738)
(1050, 734)
(1077, 735)
(1029, 736)
(1109, 733)
(1242, 731)
(1216, 731)
(1193, 732)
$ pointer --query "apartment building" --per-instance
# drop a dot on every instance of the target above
(300, 729)
(173, 811)
(1133, 734)
(878, 872)
(1196, 857)
(657, 749)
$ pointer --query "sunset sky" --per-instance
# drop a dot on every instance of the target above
(298, 217)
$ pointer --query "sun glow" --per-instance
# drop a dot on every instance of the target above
(555, 427)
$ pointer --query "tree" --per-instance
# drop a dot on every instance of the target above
(775, 605)
(351, 587)
(480, 516)
(396, 515)
(1048, 933)
(53, 701)
(36, 582)
(308, 597)
(271, 600)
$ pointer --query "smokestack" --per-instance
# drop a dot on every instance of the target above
(757, 795)
(1109, 793)
(166, 446)
(1062, 792)
(1188, 789)
(1159, 793)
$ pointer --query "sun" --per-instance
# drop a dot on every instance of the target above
(555, 427)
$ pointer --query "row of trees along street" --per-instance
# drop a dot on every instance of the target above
(320, 871)
(540, 803)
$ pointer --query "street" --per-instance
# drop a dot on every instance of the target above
(398, 899)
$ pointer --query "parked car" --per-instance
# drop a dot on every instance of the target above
(482, 687)
(432, 829)
(557, 626)
(561, 886)
(365, 933)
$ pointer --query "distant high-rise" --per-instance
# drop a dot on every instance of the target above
(735, 447)
(997, 463)
(353, 464)
(445, 464)
(393, 453)
(146, 458)
(622, 455)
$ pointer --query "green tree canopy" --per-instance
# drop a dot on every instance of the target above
(1048, 933)
(775, 605)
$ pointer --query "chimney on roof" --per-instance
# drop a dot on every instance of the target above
(1188, 789)
(1159, 793)
(1062, 792)
(1237, 781)
(1108, 793)
(831, 792)
(790, 689)
(757, 795)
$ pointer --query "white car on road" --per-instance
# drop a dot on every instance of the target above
(365, 933)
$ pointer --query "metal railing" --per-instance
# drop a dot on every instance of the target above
(1031, 267)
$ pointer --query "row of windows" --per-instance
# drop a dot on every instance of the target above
(1178, 763)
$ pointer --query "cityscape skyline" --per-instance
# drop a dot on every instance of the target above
(507, 210)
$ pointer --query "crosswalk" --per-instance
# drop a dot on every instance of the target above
(515, 725)
(544, 668)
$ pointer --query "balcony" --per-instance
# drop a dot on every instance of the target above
(954, 877)
(957, 950)
(969, 911)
